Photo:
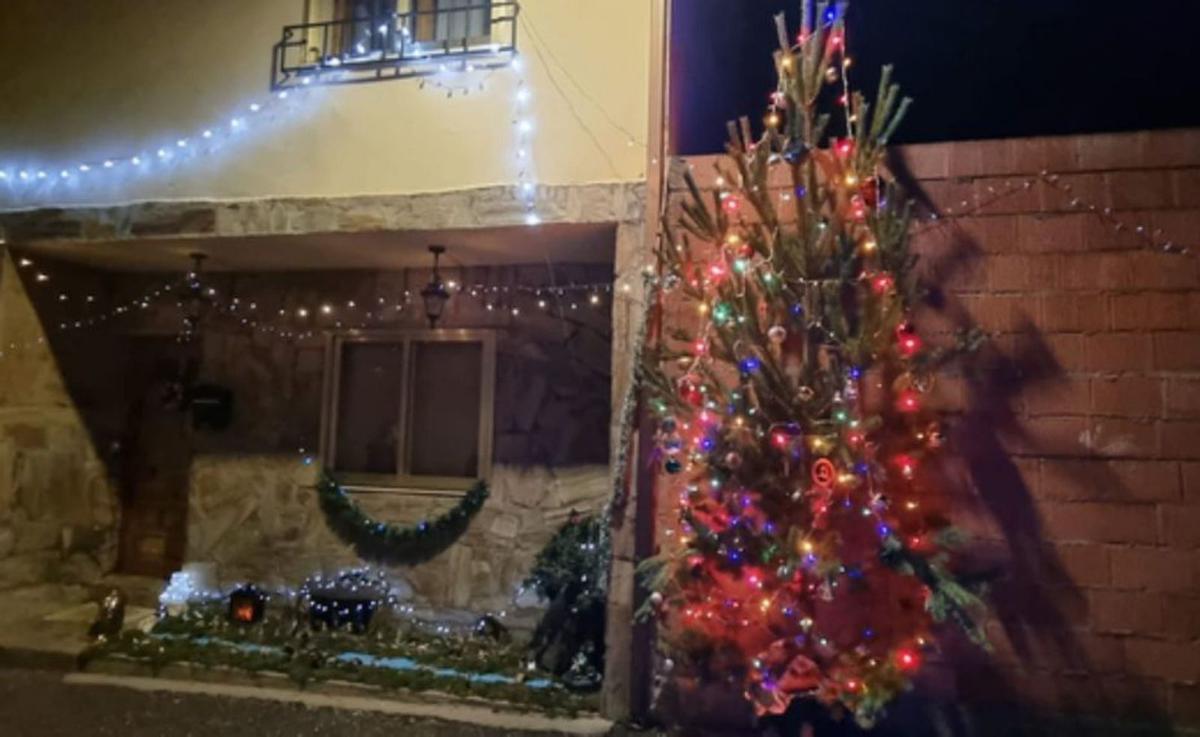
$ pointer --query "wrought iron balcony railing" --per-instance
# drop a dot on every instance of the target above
(395, 45)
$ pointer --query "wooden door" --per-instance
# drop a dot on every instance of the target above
(157, 459)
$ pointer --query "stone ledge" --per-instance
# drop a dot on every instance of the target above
(181, 678)
(473, 208)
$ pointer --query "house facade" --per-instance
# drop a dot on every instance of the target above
(312, 152)
(236, 212)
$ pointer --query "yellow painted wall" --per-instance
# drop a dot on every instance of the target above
(87, 80)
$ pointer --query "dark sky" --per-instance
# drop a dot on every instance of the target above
(976, 68)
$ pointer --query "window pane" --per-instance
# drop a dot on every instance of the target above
(369, 407)
(470, 22)
(444, 429)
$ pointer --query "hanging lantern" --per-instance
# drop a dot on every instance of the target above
(435, 294)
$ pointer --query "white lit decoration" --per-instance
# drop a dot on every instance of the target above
(30, 181)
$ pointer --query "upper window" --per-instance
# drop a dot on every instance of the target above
(411, 409)
(464, 22)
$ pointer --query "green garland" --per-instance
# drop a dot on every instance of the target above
(389, 544)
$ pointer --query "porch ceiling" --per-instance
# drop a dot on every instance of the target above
(375, 250)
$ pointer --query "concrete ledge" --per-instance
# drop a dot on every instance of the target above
(484, 207)
(335, 695)
(22, 657)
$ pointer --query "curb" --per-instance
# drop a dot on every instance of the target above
(52, 660)
(351, 697)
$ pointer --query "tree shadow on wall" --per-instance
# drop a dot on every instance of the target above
(1037, 606)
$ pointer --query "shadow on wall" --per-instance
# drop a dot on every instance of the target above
(1043, 658)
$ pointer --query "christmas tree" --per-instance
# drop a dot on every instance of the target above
(814, 554)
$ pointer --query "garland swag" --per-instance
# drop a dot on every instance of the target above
(379, 542)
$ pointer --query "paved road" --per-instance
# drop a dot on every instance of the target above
(39, 704)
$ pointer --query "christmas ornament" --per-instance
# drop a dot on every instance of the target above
(777, 334)
(110, 617)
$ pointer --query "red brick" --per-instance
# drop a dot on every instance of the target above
(1079, 271)
(995, 313)
(1048, 153)
(1126, 612)
(1110, 151)
(1182, 616)
(927, 160)
(1191, 480)
(1181, 526)
(1127, 396)
(1091, 522)
(1183, 398)
(1008, 273)
(1069, 351)
(990, 234)
(1139, 698)
(1167, 148)
(976, 158)
(1187, 187)
(1009, 195)
(1118, 352)
(1115, 481)
(1117, 437)
(954, 196)
(1068, 396)
(1051, 233)
(1155, 270)
(1084, 564)
(1151, 311)
(1052, 436)
(1184, 704)
(1139, 190)
(1083, 189)
(1177, 351)
(1102, 654)
(1152, 569)
(1123, 231)
(1180, 440)
(1178, 226)
(1074, 313)
(1174, 661)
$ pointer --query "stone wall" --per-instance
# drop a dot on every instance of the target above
(58, 505)
(252, 508)
(257, 518)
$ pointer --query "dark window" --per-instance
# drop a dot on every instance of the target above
(414, 407)
(455, 22)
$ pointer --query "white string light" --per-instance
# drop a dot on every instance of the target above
(44, 179)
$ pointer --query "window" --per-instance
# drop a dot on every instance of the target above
(454, 22)
(410, 409)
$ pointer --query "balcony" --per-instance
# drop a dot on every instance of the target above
(395, 45)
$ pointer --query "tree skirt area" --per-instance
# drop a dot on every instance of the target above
(412, 660)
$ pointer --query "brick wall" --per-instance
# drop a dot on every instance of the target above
(1077, 428)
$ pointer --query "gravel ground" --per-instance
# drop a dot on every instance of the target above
(39, 704)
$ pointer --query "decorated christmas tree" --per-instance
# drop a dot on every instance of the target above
(814, 556)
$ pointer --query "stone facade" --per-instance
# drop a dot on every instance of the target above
(257, 518)
(251, 506)
(58, 505)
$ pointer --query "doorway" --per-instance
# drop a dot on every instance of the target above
(157, 456)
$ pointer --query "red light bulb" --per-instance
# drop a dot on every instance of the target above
(906, 465)
(908, 660)
(882, 283)
(909, 344)
(908, 401)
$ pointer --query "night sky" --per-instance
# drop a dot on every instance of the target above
(976, 68)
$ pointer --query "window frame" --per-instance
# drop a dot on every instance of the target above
(425, 17)
(402, 479)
